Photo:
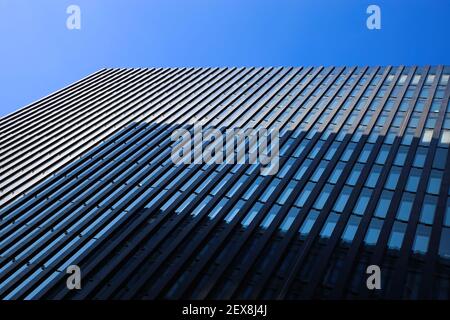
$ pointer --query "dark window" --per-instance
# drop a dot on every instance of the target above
(428, 209)
(405, 208)
(383, 204)
(397, 235)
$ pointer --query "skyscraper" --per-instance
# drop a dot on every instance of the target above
(362, 179)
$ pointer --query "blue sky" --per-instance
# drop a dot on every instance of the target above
(39, 55)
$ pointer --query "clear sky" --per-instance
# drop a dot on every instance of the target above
(39, 54)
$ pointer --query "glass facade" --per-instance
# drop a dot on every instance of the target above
(87, 179)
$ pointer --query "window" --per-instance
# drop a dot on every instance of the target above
(354, 175)
(421, 155)
(342, 199)
(272, 214)
(362, 202)
(434, 182)
(320, 169)
(351, 228)
(289, 219)
(252, 214)
(273, 185)
(401, 156)
(420, 106)
(445, 138)
(444, 245)
(373, 232)
(383, 204)
(333, 148)
(413, 180)
(305, 194)
(393, 178)
(427, 136)
(373, 176)
(365, 153)
(402, 79)
(428, 209)
(383, 154)
(323, 196)
(309, 222)
(416, 79)
(336, 172)
(348, 151)
(447, 215)
(421, 239)
(301, 171)
(397, 235)
(287, 192)
(430, 79)
(440, 158)
(405, 208)
(328, 228)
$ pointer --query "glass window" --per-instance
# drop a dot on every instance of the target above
(272, 214)
(421, 155)
(428, 209)
(447, 215)
(323, 196)
(342, 199)
(434, 182)
(430, 79)
(252, 214)
(415, 79)
(330, 153)
(383, 204)
(401, 156)
(336, 172)
(305, 194)
(383, 154)
(413, 180)
(289, 219)
(351, 228)
(421, 239)
(354, 175)
(309, 222)
(397, 235)
(445, 138)
(393, 178)
(365, 153)
(444, 245)
(287, 192)
(328, 228)
(301, 171)
(348, 151)
(373, 232)
(402, 79)
(319, 170)
(440, 158)
(273, 185)
(427, 136)
(405, 208)
(420, 106)
(362, 202)
(373, 176)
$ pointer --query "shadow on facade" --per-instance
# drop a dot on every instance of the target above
(139, 253)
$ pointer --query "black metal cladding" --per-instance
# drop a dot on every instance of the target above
(86, 178)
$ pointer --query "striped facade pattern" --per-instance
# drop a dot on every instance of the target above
(86, 178)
